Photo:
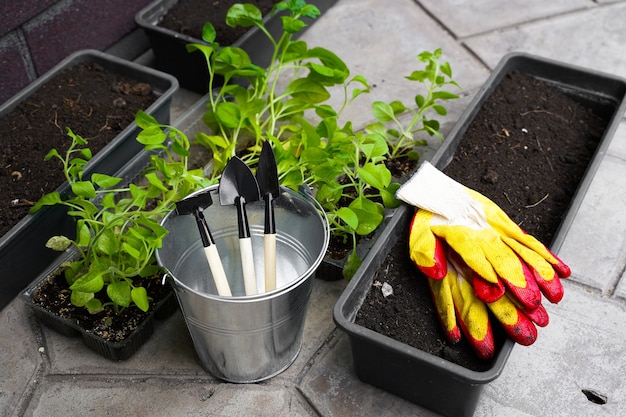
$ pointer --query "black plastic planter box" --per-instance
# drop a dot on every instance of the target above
(190, 68)
(23, 254)
(111, 350)
(403, 370)
(424, 379)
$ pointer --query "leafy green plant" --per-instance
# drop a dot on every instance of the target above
(287, 103)
(402, 138)
(118, 227)
(254, 104)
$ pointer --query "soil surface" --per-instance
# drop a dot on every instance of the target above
(94, 103)
(527, 150)
(54, 296)
(409, 315)
(189, 16)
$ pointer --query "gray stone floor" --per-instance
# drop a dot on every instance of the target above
(45, 374)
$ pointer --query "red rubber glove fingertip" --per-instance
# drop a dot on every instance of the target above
(487, 291)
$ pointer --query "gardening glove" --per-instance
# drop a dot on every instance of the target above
(456, 306)
(498, 252)
(456, 302)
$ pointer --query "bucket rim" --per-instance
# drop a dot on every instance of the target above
(303, 193)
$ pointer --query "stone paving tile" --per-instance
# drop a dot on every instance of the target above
(595, 39)
(332, 387)
(595, 245)
(82, 396)
(464, 18)
(582, 348)
(20, 360)
(382, 46)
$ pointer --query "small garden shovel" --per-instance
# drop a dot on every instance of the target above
(267, 178)
(194, 205)
(238, 186)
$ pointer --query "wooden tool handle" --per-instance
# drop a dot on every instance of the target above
(269, 246)
(217, 269)
(247, 266)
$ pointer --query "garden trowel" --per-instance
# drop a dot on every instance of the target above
(267, 178)
(238, 186)
(195, 205)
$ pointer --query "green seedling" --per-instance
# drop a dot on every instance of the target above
(118, 227)
(287, 104)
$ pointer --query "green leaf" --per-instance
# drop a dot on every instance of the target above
(58, 243)
(208, 33)
(389, 195)
(370, 215)
(154, 180)
(105, 181)
(91, 282)
(107, 242)
(94, 306)
(292, 24)
(151, 135)
(212, 140)
(140, 298)
(83, 189)
(119, 293)
(352, 265)
(83, 235)
(444, 95)
(52, 153)
(145, 120)
(244, 15)
(376, 175)
(47, 200)
(80, 298)
(131, 251)
(308, 90)
(440, 110)
(228, 114)
(349, 217)
(383, 111)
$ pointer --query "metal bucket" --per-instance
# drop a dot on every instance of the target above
(246, 338)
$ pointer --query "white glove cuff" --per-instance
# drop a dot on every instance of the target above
(432, 190)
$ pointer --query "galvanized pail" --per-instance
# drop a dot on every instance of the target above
(246, 338)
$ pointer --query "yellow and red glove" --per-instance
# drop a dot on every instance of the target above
(460, 311)
(499, 253)
(477, 260)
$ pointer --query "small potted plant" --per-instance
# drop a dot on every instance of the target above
(107, 286)
(436, 380)
(100, 94)
(347, 170)
(173, 24)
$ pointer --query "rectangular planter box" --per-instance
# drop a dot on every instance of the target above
(171, 53)
(23, 254)
(604, 93)
(111, 350)
(412, 374)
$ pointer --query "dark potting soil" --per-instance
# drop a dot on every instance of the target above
(189, 16)
(527, 150)
(409, 315)
(95, 103)
(54, 296)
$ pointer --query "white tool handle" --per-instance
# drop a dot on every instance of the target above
(269, 246)
(217, 269)
(247, 265)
